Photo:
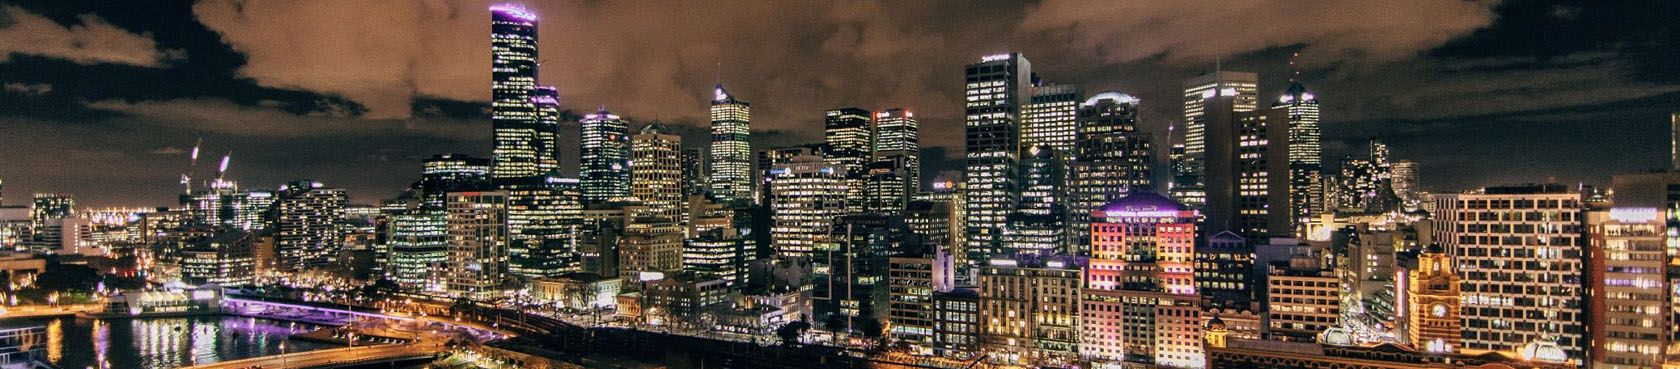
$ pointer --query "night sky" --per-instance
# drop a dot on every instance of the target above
(104, 99)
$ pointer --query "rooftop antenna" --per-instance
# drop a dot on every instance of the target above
(1294, 67)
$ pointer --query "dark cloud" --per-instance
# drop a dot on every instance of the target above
(28, 89)
(91, 41)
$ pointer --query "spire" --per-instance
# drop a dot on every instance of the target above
(1294, 68)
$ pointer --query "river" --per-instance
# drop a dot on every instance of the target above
(164, 343)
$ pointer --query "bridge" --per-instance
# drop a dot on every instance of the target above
(336, 358)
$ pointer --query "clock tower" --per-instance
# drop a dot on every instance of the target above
(1432, 298)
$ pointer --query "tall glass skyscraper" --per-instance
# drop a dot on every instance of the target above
(1111, 160)
(656, 171)
(1050, 120)
(513, 76)
(996, 89)
(1306, 158)
(1189, 179)
(731, 151)
(848, 135)
(604, 166)
(546, 101)
(898, 146)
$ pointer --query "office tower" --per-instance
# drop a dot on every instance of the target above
(656, 171)
(731, 176)
(897, 138)
(806, 195)
(945, 201)
(476, 224)
(886, 186)
(693, 173)
(652, 242)
(222, 204)
(1432, 292)
(850, 267)
(543, 212)
(1306, 155)
(1244, 168)
(1029, 308)
(1366, 184)
(1140, 304)
(47, 206)
(912, 280)
(996, 89)
(1520, 253)
(306, 230)
(1239, 92)
(1638, 195)
(604, 167)
(1111, 159)
(1225, 275)
(1050, 118)
(1039, 224)
(600, 237)
(418, 241)
(849, 139)
(935, 222)
(1632, 311)
(716, 246)
(513, 73)
(545, 100)
(1405, 182)
(445, 173)
(769, 158)
(225, 259)
(1303, 300)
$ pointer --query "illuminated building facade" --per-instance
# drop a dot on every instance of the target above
(1242, 89)
(1039, 224)
(995, 89)
(897, 139)
(604, 167)
(446, 173)
(545, 100)
(849, 138)
(543, 213)
(47, 206)
(693, 172)
(513, 73)
(731, 153)
(1111, 159)
(306, 229)
(1521, 252)
(806, 195)
(912, 281)
(1139, 303)
(656, 171)
(1432, 294)
(418, 242)
(1050, 119)
(767, 159)
(651, 242)
(477, 256)
(1632, 304)
(1029, 309)
(1405, 182)
(886, 186)
(225, 259)
(1306, 154)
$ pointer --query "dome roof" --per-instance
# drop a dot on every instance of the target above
(1336, 336)
(1118, 97)
(1543, 350)
(1142, 202)
(1216, 323)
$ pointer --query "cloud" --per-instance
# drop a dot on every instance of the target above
(1439, 89)
(92, 42)
(1202, 30)
(226, 117)
(28, 89)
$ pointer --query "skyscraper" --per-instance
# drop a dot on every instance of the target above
(1039, 223)
(543, 214)
(604, 167)
(418, 242)
(1111, 159)
(1520, 253)
(1630, 321)
(1243, 90)
(849, 149)
(897, 135)
(546, 102)
(476, 224)
(1405, 182)
(656, 171)
(996, 89)
(446, 173)
(47, 206)
(306, 231)
(1306, 157)
(693, 172)
(1050, 119)
(513, 73)
(731, 153)
(806, 195)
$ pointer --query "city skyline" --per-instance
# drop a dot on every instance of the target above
(90, 110)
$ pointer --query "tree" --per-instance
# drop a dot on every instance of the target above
(791, 332)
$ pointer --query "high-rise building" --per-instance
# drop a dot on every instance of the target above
(476, 224)
(513, 76)
(604, 167)
(1039, 223)
(1111, 159)
(731, 167)
(418, 243)
(543, 213)
(935, 222)
(945, 203)
(693, 172)
(656, 171)
(1640, 194)
(996, 90)
(1242, 91)
(1520, 253)
(956, 323)
(225, 259)
(849, 148)
(306, 230)
(1306, 155)
(716, 246)
(1632, 309)
(545, 100)
(912, 280)
(1225, 273)
(1050, 119)
(1405, 182)
(806, 195)
(1139, 303)
(46, 206)
(1244, 167)
(897, 136)
(446, 173)
(1029, 308)
(767, 159)
(851, 269)
(222, 204)
(886, 186)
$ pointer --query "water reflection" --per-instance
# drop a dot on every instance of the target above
(162, 343)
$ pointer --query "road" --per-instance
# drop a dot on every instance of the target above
(340, 356)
